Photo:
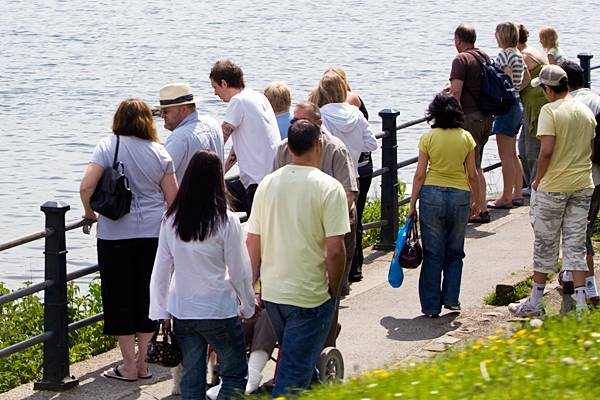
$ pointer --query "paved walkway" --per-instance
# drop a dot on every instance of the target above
(380, 325)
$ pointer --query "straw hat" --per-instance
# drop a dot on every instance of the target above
(176, 94)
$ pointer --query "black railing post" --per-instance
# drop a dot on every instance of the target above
(389, 180)
(56, 350)
(585, 63)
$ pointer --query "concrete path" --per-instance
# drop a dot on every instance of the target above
(380, 325)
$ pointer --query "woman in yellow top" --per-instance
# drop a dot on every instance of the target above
(444, 193)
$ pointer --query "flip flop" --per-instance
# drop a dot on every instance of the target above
(147, 376)
(518, 202)
(482, 218)
(494, 205)
(114, 373)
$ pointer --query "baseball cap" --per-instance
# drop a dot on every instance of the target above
(550, 75)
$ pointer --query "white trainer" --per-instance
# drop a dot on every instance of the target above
(526, 308)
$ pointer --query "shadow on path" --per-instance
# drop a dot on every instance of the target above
(419, 328)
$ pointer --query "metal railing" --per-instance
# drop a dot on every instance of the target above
(56, 375)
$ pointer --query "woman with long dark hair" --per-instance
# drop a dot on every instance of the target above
(201, 275)
(443, 191)
(126, 247)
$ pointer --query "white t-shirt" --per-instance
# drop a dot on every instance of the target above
(256, 134)
(592, 100)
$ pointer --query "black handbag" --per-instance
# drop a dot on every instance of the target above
(164, 352)
(411, 254)
(112, 197)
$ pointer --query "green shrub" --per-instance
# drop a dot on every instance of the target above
(372, 212)
(24, 318)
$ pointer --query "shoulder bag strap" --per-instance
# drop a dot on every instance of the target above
(414, 227)
(115, 166)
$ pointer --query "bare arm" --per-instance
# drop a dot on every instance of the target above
(353, 99)
(230, 161)
(546, 151)
(418, 180)
(508, 71)
(253, 245)
(227, 129)
(456, 87)
(168, 185)
(335, 262)
(473, 176)
(350, 198)
(90, 180)
(551, 59)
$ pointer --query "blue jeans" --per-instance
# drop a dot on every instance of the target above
(444, 215)
(227, 340)
(301, 333)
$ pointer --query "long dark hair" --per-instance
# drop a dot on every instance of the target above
(200, 205)
(445, 112)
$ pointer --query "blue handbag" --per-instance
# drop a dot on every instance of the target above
(396, 273)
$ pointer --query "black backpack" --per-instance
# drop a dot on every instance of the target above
(497, 94)
(112, 197)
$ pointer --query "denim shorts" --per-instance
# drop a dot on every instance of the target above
(509, 123)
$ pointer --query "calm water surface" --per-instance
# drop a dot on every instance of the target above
(66, 65)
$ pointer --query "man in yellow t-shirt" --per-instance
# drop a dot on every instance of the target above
(563, 189)
(296, 245)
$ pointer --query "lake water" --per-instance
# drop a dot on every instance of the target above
(66, 65)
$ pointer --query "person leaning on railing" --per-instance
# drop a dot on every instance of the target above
(127, 246)
(444, 190)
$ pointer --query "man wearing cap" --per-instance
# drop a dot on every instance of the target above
(562, 190)
(191, 132)
(592, 100)
(251, 122)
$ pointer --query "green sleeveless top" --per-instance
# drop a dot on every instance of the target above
(533, 99)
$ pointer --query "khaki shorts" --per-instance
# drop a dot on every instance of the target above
(479, 126)
(553, 214)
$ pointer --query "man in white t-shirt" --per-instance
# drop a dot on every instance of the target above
(251, 122)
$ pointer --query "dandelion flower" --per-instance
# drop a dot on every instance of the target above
(521, 347)
(521, 332)
(492, 337)
(488, 361)
(530, 361)
(540, 341)
(450, 374)
(476, 346)
(536, 323)
(511, 341)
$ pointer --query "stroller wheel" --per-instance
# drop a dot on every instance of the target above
(330, 366)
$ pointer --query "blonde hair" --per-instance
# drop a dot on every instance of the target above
(507, 34)
(331, 89)
(340, 71)
(548, 37)
(279, 95)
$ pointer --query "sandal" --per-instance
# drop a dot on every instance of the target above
(496, 206)
(518, 202)
(482, 218)
(148, 375)
(114, 373)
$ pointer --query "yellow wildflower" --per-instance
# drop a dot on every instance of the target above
(580, 341)
(492, 337)
(494, 348)
(511, 341)
(521, 347)
(476, 346)
(530, 361)
(499, 331)
(540, 341)
(450, 374)
(488, 361)
(521, 332)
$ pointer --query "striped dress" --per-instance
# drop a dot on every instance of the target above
(512, 58)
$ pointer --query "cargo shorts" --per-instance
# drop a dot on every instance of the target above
(556, 214)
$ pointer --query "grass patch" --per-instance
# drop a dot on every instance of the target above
(520, 291)
(558, 360)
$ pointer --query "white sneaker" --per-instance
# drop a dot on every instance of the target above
(213, 392)
(581, 310)
(526, 309)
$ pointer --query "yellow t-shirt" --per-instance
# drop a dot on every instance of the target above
(295, 208)
(572, 124)
(447, 150)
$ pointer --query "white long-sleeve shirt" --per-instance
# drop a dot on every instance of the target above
(202, 279)
(346, 122)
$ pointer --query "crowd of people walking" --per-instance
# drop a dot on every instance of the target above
(180, 256)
